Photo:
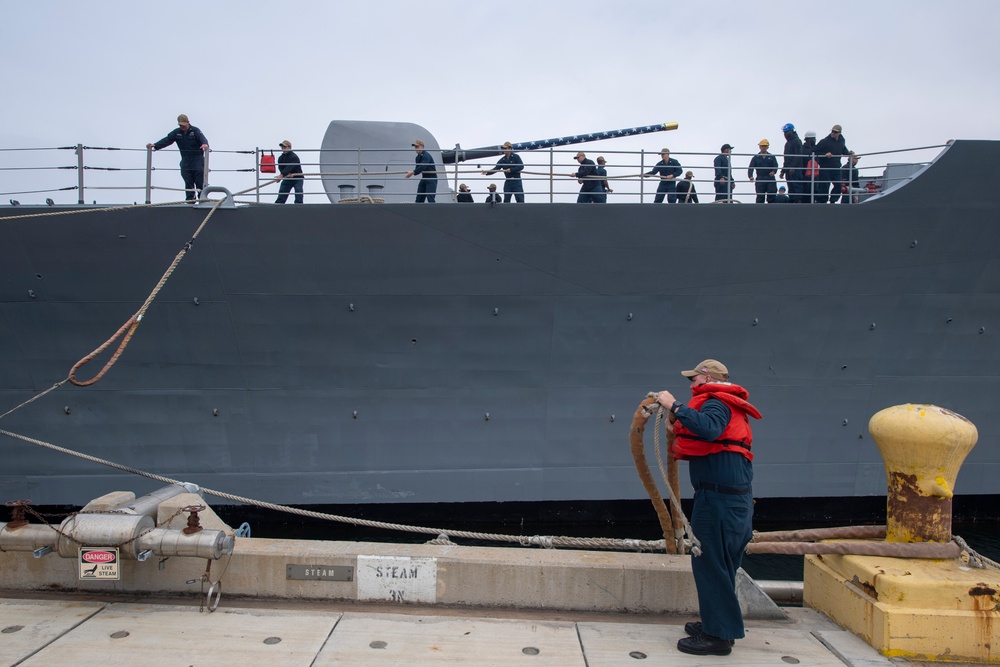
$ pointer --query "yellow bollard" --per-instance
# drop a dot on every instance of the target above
(923, 447)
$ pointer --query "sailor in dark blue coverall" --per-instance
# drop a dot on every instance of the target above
(668, 169)
(192, 145)
(291, 176)
(713, 433)
(511, 166)
(590, 186)
(766, 166)
(828, 152)
(605, 188)
(428, 184)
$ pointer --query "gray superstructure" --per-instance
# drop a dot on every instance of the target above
(351, 354)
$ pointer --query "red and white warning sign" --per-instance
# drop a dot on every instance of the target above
(99, 563)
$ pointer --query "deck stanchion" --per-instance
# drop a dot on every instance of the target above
(642, 170)
(204, 182)
(79, 173)
(552, 169)
(149, 175)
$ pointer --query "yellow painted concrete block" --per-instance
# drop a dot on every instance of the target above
(908, 608)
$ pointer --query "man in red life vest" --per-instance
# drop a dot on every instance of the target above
(712, 432)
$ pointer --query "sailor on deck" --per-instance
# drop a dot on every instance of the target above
(668, 169)
(428, 185)
(590, 185)
(192, 145)
(511, 165)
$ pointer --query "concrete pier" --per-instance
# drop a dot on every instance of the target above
(75, 631)
(294, 602)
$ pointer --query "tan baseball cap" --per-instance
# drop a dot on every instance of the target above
(710, 367)
(419, 143)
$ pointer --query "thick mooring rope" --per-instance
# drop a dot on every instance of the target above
(546, 541)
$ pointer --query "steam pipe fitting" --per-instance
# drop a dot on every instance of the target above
(26, 538)
(204, 544)
(106, 530)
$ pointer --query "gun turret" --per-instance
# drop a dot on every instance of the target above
(459, 155)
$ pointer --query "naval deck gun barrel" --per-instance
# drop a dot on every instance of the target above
(457, 154)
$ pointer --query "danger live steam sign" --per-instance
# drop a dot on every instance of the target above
(99, 563)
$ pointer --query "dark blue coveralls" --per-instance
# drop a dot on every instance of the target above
(428, 184)
(512, 184)
(766, 166)
(722, 520)
(590, 191)
(829, 167)
(667, 187)
(291, 168)
(723, 170)
(791, 169)
(189, 143)
(602, 198)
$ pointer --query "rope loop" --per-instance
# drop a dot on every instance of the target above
(131, 325)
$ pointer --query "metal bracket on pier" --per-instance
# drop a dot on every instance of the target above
(227, 201)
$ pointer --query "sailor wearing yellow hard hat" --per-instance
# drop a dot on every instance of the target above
(766, 166)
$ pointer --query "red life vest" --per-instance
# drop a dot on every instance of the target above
(737, 436)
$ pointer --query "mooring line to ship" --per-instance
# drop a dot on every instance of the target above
(522, 540)
(102, 209)
(133, 322)
(146, 305)
(797, 542)
(783, 542)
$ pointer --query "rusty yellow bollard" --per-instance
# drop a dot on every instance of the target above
(923, 447)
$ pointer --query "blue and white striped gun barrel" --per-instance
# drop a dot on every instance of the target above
(459, 155)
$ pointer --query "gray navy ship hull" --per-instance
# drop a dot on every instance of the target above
(434, 354)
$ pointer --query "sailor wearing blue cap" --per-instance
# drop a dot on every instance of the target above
(791, 168)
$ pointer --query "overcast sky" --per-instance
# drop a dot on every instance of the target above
(250, 73)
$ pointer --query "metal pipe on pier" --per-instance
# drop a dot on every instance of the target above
(130, 526)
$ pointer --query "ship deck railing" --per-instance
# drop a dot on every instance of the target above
(84, 175)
